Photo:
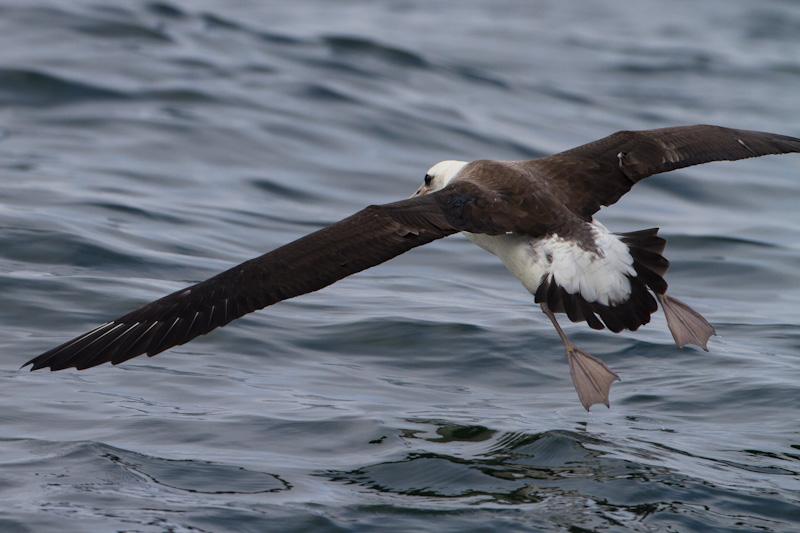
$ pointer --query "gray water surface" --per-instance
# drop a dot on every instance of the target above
(148, 145)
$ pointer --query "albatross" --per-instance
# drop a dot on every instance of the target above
(535, 215)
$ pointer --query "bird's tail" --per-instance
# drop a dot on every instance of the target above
(646, 247)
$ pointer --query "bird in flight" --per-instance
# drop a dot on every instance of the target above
(536, 216)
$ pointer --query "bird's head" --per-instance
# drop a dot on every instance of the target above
(439, 175)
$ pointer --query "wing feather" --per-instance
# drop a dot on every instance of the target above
(599, 173)
(366, 239)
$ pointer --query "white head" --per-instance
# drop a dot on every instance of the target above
(440, 175)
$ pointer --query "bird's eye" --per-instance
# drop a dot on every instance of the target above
(428, 179)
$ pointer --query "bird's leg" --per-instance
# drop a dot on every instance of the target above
(591, 377)
(686, 325)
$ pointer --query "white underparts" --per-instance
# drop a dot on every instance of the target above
(600, 276)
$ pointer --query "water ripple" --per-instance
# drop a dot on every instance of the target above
(32, 88)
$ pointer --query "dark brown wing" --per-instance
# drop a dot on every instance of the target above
(599, 173)
(366, 239)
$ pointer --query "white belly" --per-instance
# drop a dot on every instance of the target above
(601, 276)
(520, 254)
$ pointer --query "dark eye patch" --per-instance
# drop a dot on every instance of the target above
(428, 179)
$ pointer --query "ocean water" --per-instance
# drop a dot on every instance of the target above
(148, 145)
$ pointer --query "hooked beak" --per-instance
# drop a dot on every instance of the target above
(422, 191)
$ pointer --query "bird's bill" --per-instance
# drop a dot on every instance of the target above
(422, 191)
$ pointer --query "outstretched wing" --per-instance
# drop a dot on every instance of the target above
(599, 173)
(366, 239)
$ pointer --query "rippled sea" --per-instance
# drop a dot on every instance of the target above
(148, 145)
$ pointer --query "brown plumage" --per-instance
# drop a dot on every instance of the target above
(547, 201)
